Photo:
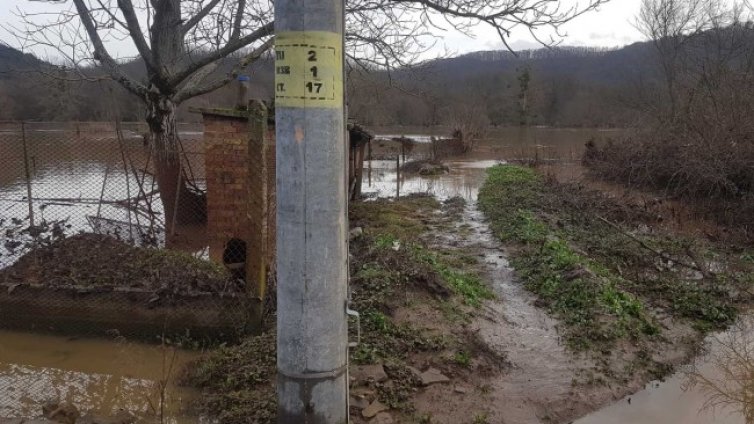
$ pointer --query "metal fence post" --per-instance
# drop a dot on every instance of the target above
(27, 174)
(257, 256)
(397, 176)
(312, 251)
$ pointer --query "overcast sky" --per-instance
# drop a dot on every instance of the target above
(610, 26)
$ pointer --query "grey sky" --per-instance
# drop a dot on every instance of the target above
(610, 26)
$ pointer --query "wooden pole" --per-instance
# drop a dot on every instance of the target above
(257, 253)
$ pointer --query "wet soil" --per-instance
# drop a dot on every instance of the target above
(543, 381)
(519, 369)
(92, 260)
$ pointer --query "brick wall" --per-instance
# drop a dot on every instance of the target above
(239, 203)
(226, 150)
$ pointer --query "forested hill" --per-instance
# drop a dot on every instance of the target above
(600, 65)
(569, 86)
(560, 86)
(12, 59)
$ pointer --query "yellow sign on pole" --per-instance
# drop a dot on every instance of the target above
(308, 69)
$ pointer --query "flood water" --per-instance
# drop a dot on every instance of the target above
(82, 179)
(97, 376)
(106, 375)
(676, 401)
(78, 177)
(672, 401)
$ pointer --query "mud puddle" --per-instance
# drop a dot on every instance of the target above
(712, 389)
(540, 370)
(97, 376)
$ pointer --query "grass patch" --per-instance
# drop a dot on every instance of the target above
(463, 282)
(580, 253)
(585, 297)
(391, 267)
(236, 381)
(462, 358)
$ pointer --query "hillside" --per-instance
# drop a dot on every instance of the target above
(565, 86)
(13, 60)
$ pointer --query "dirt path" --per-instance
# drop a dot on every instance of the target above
(544, 381)
(540, 370)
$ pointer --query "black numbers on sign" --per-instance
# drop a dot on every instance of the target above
(314, 71)
(280, 55)
(312, 56)
(314, 87)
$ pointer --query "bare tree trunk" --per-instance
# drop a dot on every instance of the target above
(186, 206)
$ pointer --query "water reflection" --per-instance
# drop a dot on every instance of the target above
(100, 376)
(463, 180)
(729, 384)
(717, 388)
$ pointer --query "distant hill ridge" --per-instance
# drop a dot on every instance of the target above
(14, 60)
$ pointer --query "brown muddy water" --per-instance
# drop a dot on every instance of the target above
(69, 173)
(97, 376)
(106, 375)
(682, 399)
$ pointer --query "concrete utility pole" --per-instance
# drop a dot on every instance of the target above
(312, 248)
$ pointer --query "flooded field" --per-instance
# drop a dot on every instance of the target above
(67, 181)
(672, 401)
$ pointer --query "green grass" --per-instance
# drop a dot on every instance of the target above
(389, 260)
(465, 283)
(591, 273)
(462, 358)
(585, 296)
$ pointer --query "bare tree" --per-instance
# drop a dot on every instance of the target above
(184, 43)
(729, 383)
(468, 120)
(669, 25)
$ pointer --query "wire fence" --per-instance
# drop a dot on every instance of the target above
(101, 236)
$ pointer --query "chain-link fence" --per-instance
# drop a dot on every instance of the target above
(104, 234)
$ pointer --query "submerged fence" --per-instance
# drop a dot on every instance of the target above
(90, 177)
(91, 242)
(102, 236)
